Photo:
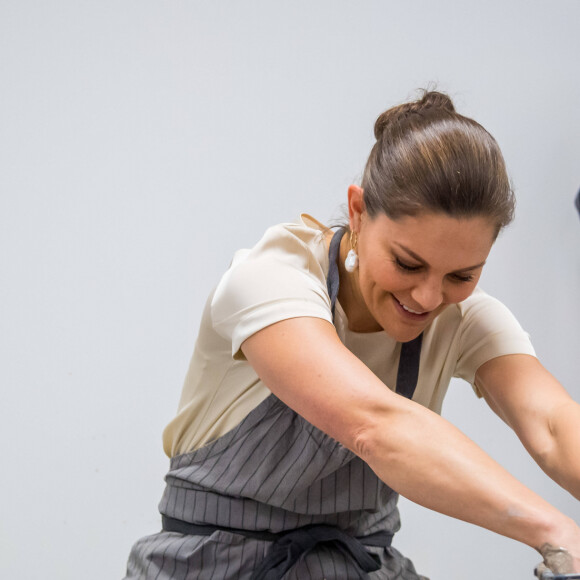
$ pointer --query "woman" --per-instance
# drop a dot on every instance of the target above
(322, 361)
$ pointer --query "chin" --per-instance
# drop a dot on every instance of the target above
(408, 337)
(404, 335)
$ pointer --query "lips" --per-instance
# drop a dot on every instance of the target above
(409, 312)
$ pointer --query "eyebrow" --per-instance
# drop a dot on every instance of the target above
(424, 263)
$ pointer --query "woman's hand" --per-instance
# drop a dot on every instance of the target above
(557, 560)
(562, 557)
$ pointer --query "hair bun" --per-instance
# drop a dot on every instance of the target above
(436, 100)
(430, 102)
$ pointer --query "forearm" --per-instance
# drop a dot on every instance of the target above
(430, 462)
(412, 449)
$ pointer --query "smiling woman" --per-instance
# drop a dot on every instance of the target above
(411, 268)
(314, 391)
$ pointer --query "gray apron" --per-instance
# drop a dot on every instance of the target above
(276, 498)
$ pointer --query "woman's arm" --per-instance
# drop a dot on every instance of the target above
(545, 418)
(410, 448)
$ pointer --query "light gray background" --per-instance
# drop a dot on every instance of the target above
(142, 142)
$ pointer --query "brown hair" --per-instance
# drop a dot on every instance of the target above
(429, 158)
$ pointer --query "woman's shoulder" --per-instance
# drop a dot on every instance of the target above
(302, 244)
(305, 232)
(282, 276)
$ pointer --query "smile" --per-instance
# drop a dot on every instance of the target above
(409, 311)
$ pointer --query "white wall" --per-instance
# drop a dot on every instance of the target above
(141, 142)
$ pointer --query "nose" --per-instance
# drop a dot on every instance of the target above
(428, 293)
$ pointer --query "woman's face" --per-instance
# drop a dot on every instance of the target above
(411, 268)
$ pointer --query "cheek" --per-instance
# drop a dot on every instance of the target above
(459, 292)
(385, 279)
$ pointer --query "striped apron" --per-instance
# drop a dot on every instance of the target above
(277, 498)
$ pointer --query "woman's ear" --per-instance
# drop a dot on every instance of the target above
(356, 207)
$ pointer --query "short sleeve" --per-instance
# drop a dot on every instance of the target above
(488, 330)
(282, 277)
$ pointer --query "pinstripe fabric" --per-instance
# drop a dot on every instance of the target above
(274, 472)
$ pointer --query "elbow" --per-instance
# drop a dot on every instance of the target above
(550, 456)
(364, 443)
(547, 443)
(378, 440)
(392, 440)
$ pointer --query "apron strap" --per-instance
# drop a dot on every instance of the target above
(408, 372)
(333, 279)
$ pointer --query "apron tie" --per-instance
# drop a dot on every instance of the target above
(288, 549)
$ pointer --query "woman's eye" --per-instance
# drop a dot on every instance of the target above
(462, 278)
(406, 267)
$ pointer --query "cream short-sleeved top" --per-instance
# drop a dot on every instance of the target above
(284, 276)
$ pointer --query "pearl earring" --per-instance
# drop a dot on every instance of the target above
(351, 261)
